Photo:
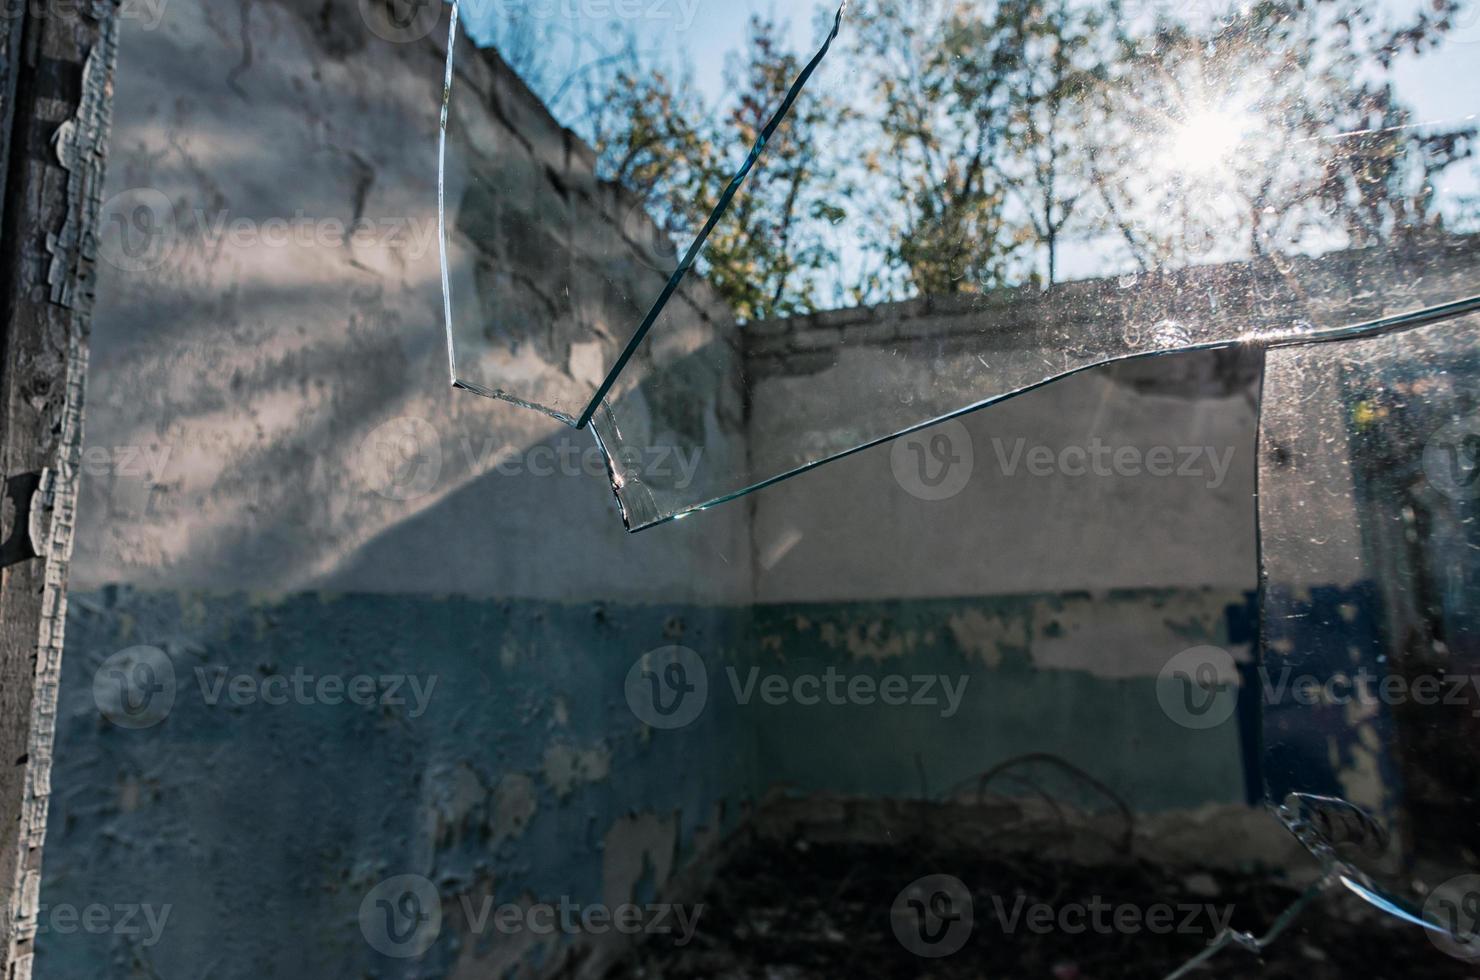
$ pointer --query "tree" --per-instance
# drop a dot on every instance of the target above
(1060, 58)
(938, 99)
(976, 140)
(769, 253)
(766, 255)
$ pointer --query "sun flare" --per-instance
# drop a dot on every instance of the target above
(1207, 141)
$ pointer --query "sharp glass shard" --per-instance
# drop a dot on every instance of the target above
(1370, 553)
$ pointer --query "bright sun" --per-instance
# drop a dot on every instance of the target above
(1207, 141)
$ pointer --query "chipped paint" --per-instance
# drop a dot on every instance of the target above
(982, 636)
(637, 849)
(79, 145)
(515, 804)
(567, 767)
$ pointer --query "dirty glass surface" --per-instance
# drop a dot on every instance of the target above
(1369, 517)
(855, 224)
(544, 321)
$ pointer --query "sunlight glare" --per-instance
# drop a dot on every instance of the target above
(1208, 140)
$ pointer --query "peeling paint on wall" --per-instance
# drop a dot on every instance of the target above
(567, 767)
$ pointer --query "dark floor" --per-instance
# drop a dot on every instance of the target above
(804, 909)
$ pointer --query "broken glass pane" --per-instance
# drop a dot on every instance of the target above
(942, 204)
(1369, 494)
(557, 125)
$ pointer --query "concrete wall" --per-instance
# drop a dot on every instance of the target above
(1003, 526)
(248, 401)
(280, 482)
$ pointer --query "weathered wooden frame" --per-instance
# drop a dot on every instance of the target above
(56, 90)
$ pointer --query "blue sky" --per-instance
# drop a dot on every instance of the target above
(1443, 85)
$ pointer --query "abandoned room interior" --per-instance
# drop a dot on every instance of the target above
(696, 489)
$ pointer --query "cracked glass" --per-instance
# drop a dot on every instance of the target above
(834, 227)
(1369, 520)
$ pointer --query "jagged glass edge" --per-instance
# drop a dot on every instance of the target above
(674, 281)
(1334, 870)
(692, 255)
(598, 417)
(610, 440)
(447, 328)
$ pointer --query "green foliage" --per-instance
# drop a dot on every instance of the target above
(961, 145)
